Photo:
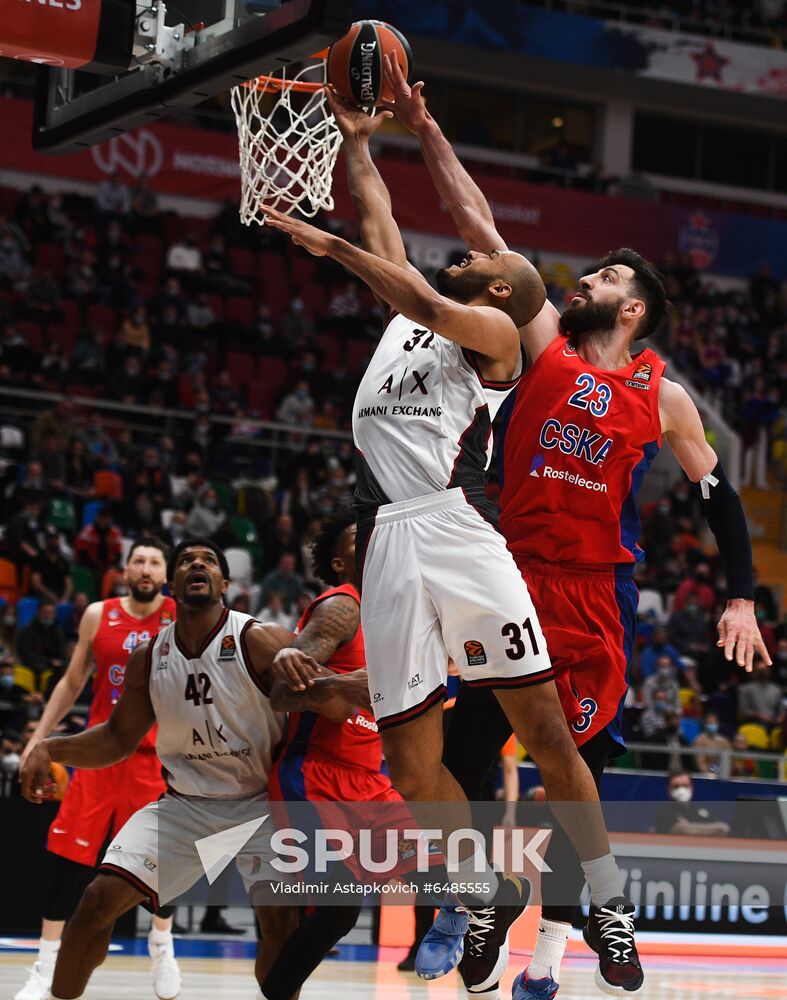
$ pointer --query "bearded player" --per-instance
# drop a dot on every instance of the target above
(98, 803)
(588, 419)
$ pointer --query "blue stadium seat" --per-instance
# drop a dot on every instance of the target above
(64, 613)
(89, 512)
(691, 729)
(26, 608)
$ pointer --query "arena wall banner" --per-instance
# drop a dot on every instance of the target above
(202, 164)
(591, 41)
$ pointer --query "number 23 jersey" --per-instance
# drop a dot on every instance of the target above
(575, 451)
(422, 419)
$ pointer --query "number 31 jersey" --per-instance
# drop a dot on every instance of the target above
(575, 451)
(422, 419)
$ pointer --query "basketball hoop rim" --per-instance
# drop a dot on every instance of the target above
(268, 81)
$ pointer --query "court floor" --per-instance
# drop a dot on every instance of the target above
(126, 976)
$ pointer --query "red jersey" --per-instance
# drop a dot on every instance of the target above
(579, 441)
(354, 743)
(118, 634)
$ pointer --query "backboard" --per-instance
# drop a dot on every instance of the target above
(181, 57)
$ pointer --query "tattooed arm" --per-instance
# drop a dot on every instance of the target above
(290, 667)
(333, 623)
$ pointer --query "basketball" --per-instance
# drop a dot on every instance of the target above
(355, 62)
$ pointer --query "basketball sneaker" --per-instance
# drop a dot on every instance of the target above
(38, 984)
(610, 933)
(525, 988)
(166, 972)
(485, 955)
(443, 944)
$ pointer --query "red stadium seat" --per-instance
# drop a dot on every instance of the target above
(103, 318)
(63, 336)
(9, 582)
(216, 303)
(265, 390)
(302, 267)
(242, 262)
(33, 333)
(242, 367)
(315, 297)
(239, 310)
(357, 352)
(108, 484)
(329, 346)
(70, 316)
(49, 255)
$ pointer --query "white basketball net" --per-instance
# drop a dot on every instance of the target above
(287, 156)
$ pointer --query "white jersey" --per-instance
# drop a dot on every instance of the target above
(422, 419)
(216, 728)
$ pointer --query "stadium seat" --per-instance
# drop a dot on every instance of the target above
(245, 531)
(358, 352)
(239, 311)
(62, 515)
(167, 514)
(63, 614)
(26, 608)
(12, 439)
(84, 582)
(25, 678)
(9, 582)
(126, 543)
(691, 729)
(777, 740)
(103, 318)
(240, 565)
(755, 735)
(90, 510)
(33, 334)
(329, 346)
(242, 262)
(108, 484)
(226, 496)
(64, 336)
(50, 255)
(70, 316)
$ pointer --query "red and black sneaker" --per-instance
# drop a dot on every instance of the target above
(610, 933)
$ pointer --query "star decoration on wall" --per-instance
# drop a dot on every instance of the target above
(709, 63)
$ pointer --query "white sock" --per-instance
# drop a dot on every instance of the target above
(604, 878)
(47, 951)
(159, 937)
(466, 872)
(550, 948)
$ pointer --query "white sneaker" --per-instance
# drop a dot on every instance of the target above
(166, 973)
(39, 984)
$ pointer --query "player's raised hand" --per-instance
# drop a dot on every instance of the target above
(740, 635)
(296, 669)
(302, 234)
(353, 122)
(408, 103)
(37, 785)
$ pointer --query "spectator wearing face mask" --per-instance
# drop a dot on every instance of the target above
(699, 587)
(297, 407)
(658, 647)
(651, 721)
(41, 644)
(688, 630)
(665, 680)
(670, 737)
(10, 752)
(684, 817)
(206, 517)
(760, 700)
(711, 740)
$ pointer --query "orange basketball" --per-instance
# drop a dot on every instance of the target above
(355, 62)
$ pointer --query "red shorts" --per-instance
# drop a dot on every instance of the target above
(319, 780)
(589, 619)
(98, 803)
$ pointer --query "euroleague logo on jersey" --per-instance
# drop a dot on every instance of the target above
(166, 617)
(475, 652)
(228, 648)
(640, 377)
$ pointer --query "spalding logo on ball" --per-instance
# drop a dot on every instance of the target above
(355, 62)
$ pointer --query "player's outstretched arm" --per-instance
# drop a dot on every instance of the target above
(97, 747)
(379, 232)
(738, 631)
(487, 331)
(463, 198)
(72, 683)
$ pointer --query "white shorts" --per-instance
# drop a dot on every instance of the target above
(156, 852)
(438, 581)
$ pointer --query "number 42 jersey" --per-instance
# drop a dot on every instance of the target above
(422, 420)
